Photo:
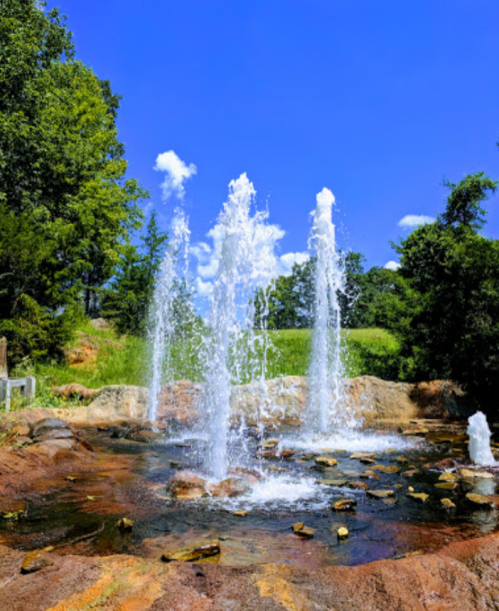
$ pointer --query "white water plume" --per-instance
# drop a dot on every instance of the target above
(166, 319)
(234, 352)
(326, 405)
(479, 447)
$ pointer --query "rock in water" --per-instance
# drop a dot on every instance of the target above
(125, 524)
(480, 500)
(303, 531)
(380, 494)
(342, 533)
(186, 485)
(345, 505)
(419, 496)
(192, 553)
(447, 503)
(328, 461)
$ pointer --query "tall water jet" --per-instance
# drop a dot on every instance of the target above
(326, 404)
(246, 265)
(165, 318)
(479, 434)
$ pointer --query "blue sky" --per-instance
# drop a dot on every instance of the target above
(377, 100)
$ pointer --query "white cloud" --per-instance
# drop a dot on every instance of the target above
(204, 289)
(286, 262)
(177, 172)
(414, 220)
(393, 265)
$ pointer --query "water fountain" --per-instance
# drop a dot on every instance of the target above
(246, 265)
(166, 320)
(326, 405)
(479, 446)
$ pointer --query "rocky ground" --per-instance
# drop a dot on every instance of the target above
(38, 454)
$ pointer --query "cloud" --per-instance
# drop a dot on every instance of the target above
(393, 265)
(286, 262)
(414, 220)
(177, 172)
(204, 289)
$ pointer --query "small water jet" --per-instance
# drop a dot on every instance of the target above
(479, 447)
(166, 319)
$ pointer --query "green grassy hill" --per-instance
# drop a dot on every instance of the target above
(116, 359)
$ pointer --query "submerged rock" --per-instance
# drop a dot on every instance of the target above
(342, 532)
(192, 553)
(380, 494)
(471, 474)
(344, 505)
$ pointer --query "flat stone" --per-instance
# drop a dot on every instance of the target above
(358, 485)
(361, 455)
(35, 561)
(380, 494)
(480, 500)
(328, 461)
(240, 513)
(419, 496)
(192, 553)
(448, 477)
(186, 485)
(344, 505)
(447, 485)
(303, 531)
(46, 425)
(390, 469)
(410, 473)
(333, 482)
(270, 443)
(447, 503)
(471, 473)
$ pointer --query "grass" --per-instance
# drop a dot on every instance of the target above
(125, 360)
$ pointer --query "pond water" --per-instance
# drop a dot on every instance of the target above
(129, 480)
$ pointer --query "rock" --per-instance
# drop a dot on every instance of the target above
(192, 553)
(124, 524)
(480, 500)
(402, 459)
(344, 505)
(142, 436)
(54, 434)
(410, 489)
(390, 469)
(186, 485)
(232, 486)
(56, 449)
(333, 482)
(358, 485)
(303, 531)
(287, 454)
(471, 473)
(46, 425)
(363, 455)
(328, 461)
(35, 561)
(447, 503)
(270, 443)
(240, 513)
(448, 477)
(380, 494)
(419, 496)
(342, 532)
(447, 485)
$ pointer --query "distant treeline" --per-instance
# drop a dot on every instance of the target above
(442, 304)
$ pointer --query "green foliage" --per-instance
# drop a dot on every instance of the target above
(65, 205)
(126, 301)
(454, 333)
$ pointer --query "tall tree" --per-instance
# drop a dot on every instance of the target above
(62, 171)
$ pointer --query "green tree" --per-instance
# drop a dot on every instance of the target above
(62, 172)
(455, 331)
(126, 301)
